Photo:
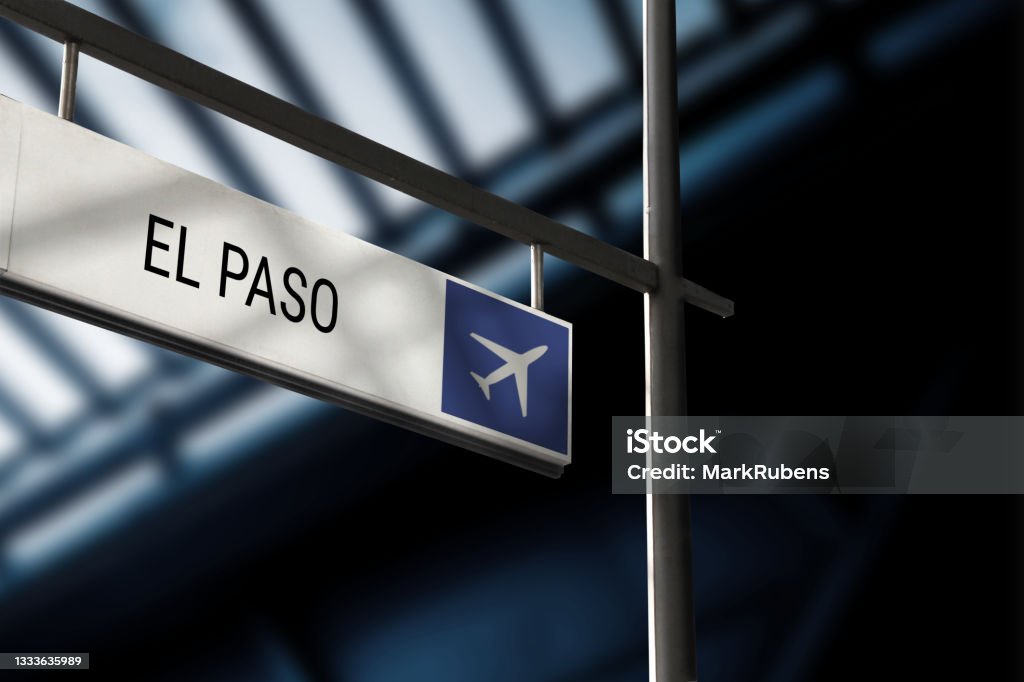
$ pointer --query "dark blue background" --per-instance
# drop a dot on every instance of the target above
(547, 420)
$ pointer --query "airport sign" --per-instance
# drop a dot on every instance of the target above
(105, 233)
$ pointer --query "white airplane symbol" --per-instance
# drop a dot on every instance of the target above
(515, 364)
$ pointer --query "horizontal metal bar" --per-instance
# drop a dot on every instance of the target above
(195, 81)
(695, 294)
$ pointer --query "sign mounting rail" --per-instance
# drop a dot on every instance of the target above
(150, 61)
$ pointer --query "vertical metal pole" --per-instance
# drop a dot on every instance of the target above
(68, 80)
(537, 276)
(671, 639)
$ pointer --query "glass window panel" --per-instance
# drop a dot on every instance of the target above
(10, 439)
(570, 47)
(340, 58)
(85, 515)
(34, 380)
(115, 360)
(18, 84)
(458, 55)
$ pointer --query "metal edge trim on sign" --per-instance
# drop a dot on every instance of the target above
(10, 158)
(478, 439)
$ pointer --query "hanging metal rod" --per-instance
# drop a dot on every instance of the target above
(68, 81)
(537, 276)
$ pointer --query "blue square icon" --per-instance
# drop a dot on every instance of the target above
(505, 368)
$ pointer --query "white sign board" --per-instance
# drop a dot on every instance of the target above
(105, 233)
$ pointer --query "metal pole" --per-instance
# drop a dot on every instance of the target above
(671, 640)
(537, 276)
(68, 78)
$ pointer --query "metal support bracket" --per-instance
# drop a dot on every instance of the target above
(697, 295)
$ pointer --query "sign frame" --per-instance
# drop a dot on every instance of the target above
(16, 282)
